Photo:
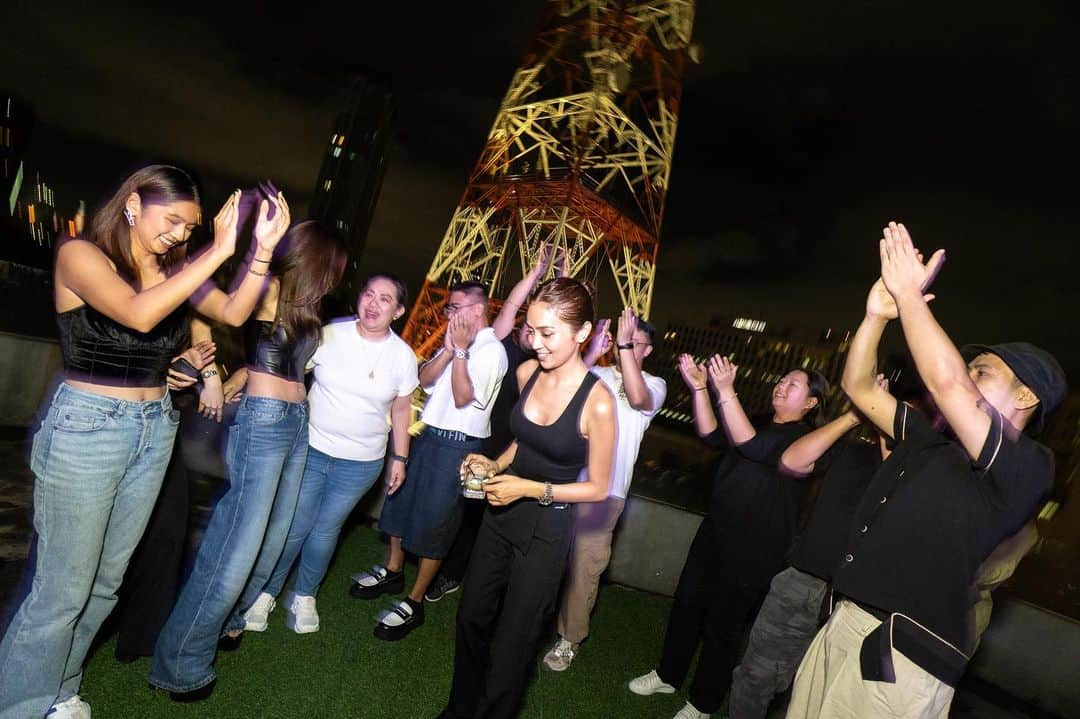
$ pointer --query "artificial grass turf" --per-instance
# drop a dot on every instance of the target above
(343, 671)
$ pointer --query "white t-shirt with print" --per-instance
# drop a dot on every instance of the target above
(356, 381)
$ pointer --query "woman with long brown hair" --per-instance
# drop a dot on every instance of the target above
(265, 458)
(104, 443)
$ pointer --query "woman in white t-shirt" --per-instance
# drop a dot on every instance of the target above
(363, 372)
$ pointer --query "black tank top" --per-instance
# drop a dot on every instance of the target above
(267, 349)
(98, 349)
(553, 453)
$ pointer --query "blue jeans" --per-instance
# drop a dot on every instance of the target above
(265, 460)
(98, 464)
(328, 494)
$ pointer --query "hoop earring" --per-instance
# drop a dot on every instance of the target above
(129, 217)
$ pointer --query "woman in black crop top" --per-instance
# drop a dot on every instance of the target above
(103, 446)
(265, 458)
(745, 535)
(563, 422)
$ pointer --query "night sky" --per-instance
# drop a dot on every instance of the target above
(807, 126)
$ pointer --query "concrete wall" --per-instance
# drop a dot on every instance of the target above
(28, 368)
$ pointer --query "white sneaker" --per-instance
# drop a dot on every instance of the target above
(689, 712)
(560, 656)
(650, 683)
(257, 616)
(73, 708)
(301, 616)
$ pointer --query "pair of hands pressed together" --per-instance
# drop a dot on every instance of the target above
(904, 275)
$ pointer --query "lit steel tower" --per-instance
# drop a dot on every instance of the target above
(579, 156)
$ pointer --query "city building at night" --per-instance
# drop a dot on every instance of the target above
(353, 166)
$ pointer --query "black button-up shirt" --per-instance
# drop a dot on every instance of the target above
(931, 516)
(847, 469)
(754, 506)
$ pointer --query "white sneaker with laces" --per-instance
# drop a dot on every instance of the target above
(301, 616)
(560, 656)
(650, 683)
(689, 712)
(257, 616)
(73, 708)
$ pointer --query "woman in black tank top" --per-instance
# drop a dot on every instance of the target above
(563, 422)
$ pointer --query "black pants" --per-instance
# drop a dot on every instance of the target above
(153, 575)
(508, 598)
(713, 604)
(457, 561)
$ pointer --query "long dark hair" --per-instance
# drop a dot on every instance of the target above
(155, 185)
(818, 387)
(309, 260)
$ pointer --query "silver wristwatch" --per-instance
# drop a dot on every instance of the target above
(461, 354)
(548, 496)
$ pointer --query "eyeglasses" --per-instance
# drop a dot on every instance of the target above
(452, 308)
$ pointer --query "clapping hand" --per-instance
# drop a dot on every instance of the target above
(624, 334)
(902, 272)
(601, 341)
(225, 225)
(722, 372)
(269, 231)
(693, 374)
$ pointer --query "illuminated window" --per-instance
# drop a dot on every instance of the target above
(341, 141)
(326, 185)
(336, 152)
(333, 140)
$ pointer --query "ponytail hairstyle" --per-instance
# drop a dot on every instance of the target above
(309, 260)
(574, 301)
(155, 185)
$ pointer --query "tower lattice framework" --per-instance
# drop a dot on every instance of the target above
(579, 157)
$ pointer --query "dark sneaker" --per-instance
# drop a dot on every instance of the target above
(375, 582)
(402, 617)
(440, 588)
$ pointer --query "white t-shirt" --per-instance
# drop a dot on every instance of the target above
(632, 424)
(356, 381)
(486, 365)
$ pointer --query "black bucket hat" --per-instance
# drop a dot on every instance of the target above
(1033, 366)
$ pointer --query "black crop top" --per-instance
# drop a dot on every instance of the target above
(267, 350)
(98, 349)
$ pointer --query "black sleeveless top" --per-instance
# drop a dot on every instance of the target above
(268, 350)
(98, 349)
(553, 453)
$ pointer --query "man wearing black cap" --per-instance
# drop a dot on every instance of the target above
(900, 634)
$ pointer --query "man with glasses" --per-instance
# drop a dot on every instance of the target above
(638, 397)
(462, 380)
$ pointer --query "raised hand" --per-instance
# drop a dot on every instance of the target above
(225, 225)
(722, 372)
(601, 341)
(562, 264)
(693, 374)
(902, 268)
(624, 334)
(269, 231)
